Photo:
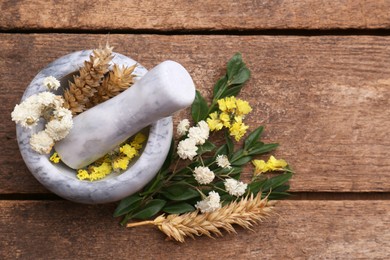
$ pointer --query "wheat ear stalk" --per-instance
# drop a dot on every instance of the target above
(118, 80)
(90, 76)
(246, 212)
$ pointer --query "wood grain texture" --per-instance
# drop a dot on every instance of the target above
(325, 99)
(194, 15)
(303, 230)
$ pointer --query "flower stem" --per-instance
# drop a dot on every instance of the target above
(142, 223)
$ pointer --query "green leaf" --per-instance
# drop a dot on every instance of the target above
(206, 147)
(253, 137)
(242, 161)
(179, 192)
(229, 143)
(277, 181)
(232, 91)
(150, 209)
(237, 71)
(278, 195)
(220, 87)
(221, 150)
(199, 108)
(260, 148)
(237, 155)
(178, 208)
(127, 205)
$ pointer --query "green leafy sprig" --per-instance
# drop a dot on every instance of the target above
(174, 189)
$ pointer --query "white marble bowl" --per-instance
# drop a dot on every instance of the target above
(61, 179)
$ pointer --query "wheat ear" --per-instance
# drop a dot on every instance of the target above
(246, 212)
(90, 76)
(118, 80)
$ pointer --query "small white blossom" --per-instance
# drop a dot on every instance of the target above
(51, 83)
(187, 149)
(41, 142)
(210, 203)
(234, 187)
(59, 127)
(203, 175)
(199, 133)
(183, 127)
(223, 161)
(26, 115)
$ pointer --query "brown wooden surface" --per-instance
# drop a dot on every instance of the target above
(194, 15)
(304, 229)
(324, 97)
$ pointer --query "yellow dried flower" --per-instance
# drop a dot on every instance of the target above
(243, 107)
(55, 158)
(213, 122)
(128, 150)
(260, 166)
(225, 118)
(272, 164)
(82, 174)
(238, 129)
(121, 163)
(99, 172)
(275, 164)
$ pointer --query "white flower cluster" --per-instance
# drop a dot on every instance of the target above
(211, 203)
(223, 161)
(197, 135)
(234, 187)
(50, 107)
(203, 175)
(51, 83)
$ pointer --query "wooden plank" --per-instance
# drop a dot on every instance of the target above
(194, 15)
(325, 99)
(299, 230)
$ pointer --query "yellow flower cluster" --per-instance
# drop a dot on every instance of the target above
(272, 164)
(55, 158)
(230, 115)
(113, 162)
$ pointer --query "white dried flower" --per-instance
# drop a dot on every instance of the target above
(27, 115)
(187, 149)
(183, 127)
(59, 128)
(199, 133)
(31, 109)
(210, 203)
(41, 142)
(234, 187)
(51, 83)
(223, 161)
(203, 175)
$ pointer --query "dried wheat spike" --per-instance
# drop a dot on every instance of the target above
(246, 212)
(90, 77)
(118, 80)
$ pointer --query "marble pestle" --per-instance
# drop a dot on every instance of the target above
(165, 89)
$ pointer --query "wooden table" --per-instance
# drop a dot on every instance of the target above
(320, 83)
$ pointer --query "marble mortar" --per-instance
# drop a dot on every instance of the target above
(62, 180)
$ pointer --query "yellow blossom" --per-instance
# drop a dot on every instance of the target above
(55, 158)
(121, 163)
(260, 166)
(225, 118)
(222, 105)
(213, 122)
(129, 151)
(99, 172)
(243, 107)
(275, 164)
(272, 164)
(238, 129)
(230, 103)
(139, 138)
(82, 174)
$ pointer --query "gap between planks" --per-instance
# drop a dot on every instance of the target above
(249, 32)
